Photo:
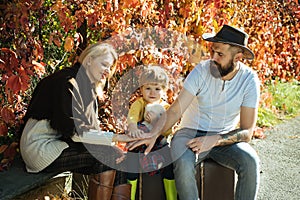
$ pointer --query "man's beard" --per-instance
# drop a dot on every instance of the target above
(218, 72)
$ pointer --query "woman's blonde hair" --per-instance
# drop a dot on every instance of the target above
(97, 49)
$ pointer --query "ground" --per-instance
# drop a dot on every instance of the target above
(280, 161)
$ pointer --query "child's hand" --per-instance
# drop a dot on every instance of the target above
(150, 117)
(136, 133)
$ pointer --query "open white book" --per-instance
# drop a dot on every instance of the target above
(95, 137)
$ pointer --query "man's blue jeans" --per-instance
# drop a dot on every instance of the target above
(240, 157)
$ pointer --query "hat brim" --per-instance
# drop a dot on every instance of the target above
(247, 54)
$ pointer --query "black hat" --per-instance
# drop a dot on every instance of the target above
(233, 36)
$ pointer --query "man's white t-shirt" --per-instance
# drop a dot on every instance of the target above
(217, 103)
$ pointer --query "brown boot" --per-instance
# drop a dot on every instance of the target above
(101, 185)
(121, 192)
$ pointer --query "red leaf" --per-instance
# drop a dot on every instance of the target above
(108, 6)
(24, 78)
(9, 96)
(7, 114)
(24, 21)
(11, 151)
(3, 148)
(38, 51)
(2, 64)
(39, 67)
(130, 3)
(3, 129)
(56, 41)
(10, 60)
(14, 83)
(37, 4)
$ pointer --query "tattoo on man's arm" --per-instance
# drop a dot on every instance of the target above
(234, 136)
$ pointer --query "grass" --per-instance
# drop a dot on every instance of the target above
(279, 101)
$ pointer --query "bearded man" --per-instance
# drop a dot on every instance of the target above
(218, 110)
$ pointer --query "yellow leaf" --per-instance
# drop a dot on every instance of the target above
(69, 44)
(215, 24)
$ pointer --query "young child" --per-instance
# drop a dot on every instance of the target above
(143, 114)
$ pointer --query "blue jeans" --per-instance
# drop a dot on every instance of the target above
(240, 157)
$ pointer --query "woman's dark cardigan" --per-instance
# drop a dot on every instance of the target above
(53, 99)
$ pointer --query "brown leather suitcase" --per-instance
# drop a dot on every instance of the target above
(214, 181)
(150, 187)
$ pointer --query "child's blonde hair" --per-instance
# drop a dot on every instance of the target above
(154, 74)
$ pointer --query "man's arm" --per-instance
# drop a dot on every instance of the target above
(167, 120)
(174, 113)
(248, 117)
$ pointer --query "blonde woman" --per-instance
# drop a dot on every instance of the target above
(63, 107)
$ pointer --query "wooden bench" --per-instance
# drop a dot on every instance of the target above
(17, 181)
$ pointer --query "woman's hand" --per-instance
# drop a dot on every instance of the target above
(122, 138)
(121, 157)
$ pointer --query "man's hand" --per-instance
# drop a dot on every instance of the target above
(124, 138)
(204, 143)
(149, 142)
